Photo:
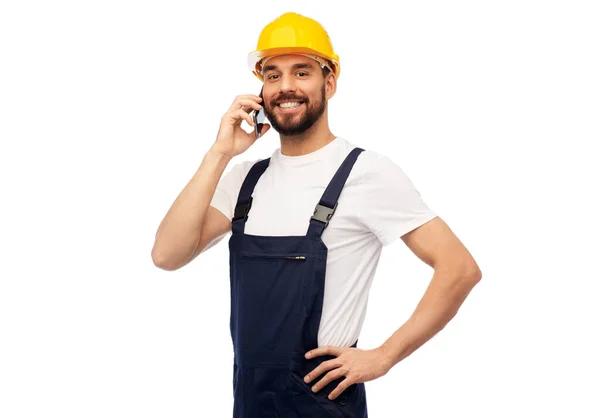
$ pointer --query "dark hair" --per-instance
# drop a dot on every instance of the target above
(325, 71)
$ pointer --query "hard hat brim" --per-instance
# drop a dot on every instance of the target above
(255, 57)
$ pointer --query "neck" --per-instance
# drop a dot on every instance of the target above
(316, 137)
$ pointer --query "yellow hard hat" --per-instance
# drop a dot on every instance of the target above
(292, 33)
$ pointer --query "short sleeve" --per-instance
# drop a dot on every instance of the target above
(391, 206)
(228, 188)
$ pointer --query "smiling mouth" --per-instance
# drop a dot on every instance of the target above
(289, 106)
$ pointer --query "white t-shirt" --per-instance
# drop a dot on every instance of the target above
(378, 204)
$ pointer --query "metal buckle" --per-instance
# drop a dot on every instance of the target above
(323, 213)
(242, 210)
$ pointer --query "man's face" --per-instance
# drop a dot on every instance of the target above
(294, 93)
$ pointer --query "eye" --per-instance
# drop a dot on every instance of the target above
(302, 73)
(271, 77)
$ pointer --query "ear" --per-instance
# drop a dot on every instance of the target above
(330, 85)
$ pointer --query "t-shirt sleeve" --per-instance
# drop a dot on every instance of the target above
(391, 206)
(228, 188)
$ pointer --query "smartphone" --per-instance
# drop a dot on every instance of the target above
(259, 116)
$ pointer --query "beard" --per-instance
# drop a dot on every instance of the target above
(296, 124)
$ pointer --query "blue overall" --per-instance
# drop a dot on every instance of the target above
(277, 287)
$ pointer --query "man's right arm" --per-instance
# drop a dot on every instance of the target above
(191, 225)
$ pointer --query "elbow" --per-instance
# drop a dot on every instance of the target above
(471, 271)
(162, 261)
(464, 276)
(475, 273)
(471, 274)
(464, 270)
(468, 270)
(478, 275)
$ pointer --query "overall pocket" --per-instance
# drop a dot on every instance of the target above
(352, 402)
(306, 403)
(268, 311)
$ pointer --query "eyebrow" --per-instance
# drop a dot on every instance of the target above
(301, 65)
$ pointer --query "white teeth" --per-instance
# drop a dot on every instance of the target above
(289, 105)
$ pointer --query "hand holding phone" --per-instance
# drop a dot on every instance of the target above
(232, 139)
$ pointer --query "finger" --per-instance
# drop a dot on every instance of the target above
(344, 384)
(322, 368)
(329, 377)
(244, 99)
(248, 105)
(249, 96)
(238, 115)
(321, 351)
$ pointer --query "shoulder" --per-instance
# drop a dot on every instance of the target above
(241, 168)
(373, 166)
(232, 179)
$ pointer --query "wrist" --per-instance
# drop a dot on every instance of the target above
(387, 356)
(218, 155)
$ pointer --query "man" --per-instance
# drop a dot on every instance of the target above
(308, 225)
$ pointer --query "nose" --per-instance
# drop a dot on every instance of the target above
(287, 84)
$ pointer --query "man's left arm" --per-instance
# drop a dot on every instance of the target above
(455, 275)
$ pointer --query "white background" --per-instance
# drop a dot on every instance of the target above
(107, 108)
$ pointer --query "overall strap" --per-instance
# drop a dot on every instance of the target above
(244, 201)
(328, 203)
